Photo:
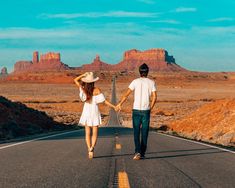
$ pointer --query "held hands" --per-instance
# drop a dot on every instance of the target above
(118, 107)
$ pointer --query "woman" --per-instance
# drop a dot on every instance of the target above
(90, 118)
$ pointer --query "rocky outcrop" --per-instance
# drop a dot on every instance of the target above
(96, 65)
(148, 55)
(213, 122)
(4, 71)
(35, 57)
(17, 120)
(22, 66)
(156, 59)
(50, 57)
(47, 62)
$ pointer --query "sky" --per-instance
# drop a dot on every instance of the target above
(200, 34)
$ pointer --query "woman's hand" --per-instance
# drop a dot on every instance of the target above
(85, 74)
(76, 80)
(118, 107)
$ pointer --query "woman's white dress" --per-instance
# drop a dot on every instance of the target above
(90, 113)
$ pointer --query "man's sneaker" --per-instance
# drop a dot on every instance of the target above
(142, 157)
(137, 156)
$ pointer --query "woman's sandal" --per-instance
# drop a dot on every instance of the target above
(91, 153)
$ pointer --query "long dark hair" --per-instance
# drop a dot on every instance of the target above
(88, 88)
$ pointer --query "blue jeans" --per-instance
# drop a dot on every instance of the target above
(141, 120)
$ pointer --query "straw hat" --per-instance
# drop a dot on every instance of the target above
(89, 78)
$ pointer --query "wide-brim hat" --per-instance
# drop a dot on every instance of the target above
(89, 78)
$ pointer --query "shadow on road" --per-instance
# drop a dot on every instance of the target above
(104, 132)
(183, 153)
(108, 132)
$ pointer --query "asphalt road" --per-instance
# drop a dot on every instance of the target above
(61, 161)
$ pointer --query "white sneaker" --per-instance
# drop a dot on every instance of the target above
(137, 156)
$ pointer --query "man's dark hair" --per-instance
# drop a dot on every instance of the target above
(144, 70)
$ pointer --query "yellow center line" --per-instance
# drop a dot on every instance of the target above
(123, 181)
(118, 146)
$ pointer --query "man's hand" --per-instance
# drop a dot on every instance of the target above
(118, 107)
(125, 96)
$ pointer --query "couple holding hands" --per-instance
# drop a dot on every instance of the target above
(144, 100)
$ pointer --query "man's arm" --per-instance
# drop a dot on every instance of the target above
(153, 99)
(124, 98)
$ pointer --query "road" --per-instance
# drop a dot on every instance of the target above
(61, 161)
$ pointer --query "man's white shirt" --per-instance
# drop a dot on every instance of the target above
(142, 87)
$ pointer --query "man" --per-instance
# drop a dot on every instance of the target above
(144, 89)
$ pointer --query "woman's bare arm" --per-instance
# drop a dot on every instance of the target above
(109, 104)
(76, 80)
(97, 92)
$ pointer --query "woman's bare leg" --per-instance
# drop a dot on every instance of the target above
(88, 136)
(94, 136)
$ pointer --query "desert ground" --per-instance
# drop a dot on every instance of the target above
(182, 97)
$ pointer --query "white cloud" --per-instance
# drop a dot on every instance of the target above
(147, 1)
(185, 9)
(109, 33)
(216, 31)
(166, 21)
(30, 33)
(114, 14)
(222, 19)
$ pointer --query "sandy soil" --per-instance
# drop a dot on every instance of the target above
(179, 95)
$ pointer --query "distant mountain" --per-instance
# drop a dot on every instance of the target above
(156, 59)
(47, 62)
(96, 65)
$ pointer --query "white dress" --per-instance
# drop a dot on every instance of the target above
(90, 113)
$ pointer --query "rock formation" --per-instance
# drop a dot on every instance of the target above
(50, 57)
(156, 59)
(22, 66)
(47, 62)
(4, 71)
(35, 57)
(96, 65)
(213, 122)
(17, 120)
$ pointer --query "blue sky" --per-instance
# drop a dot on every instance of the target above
(199, 33)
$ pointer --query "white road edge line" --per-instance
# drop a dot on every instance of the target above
(40, 138)
(196, 142)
